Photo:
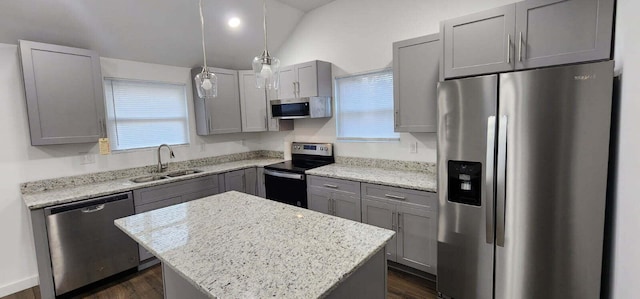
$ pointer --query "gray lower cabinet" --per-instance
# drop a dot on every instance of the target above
(64, 92)
(243, 180)
(413, 215)
(480, 43)
(220, 115)
(262, 191)
(381, 214)
(416, 72)
(552, 32)
(334, 197)
(528, 34)
(156, 197)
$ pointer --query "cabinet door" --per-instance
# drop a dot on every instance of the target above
(224, 111)
(64, 91)
(234, 181)
(251, 181)
(307, 79)
(253, 103)
(346, 206)
(288, 78)
(319, 200)
(416, 72)
(381, 214)
(417, 242)
(480, 43)
(551, 32)
(262, 192)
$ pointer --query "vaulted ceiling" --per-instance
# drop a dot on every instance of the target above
(155, 31)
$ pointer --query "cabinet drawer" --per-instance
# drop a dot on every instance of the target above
(156, 193)
(422, 198)
(158, 204)
(334, 184)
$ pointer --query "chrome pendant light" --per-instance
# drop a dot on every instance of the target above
(266, 67)
(206, 81)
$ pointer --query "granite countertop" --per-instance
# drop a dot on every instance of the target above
(66, 195)
(235, 245)
(416, 180)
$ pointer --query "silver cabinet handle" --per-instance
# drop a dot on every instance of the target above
(102, 129)
(298, 88)
(509, 48)
(295, 93)
(399, 221)
(501, 197)
(93, 209)
(520, 48)
(395, 119)
(393, 221)
(395, 196)
(329, 205)
(331, 186)
(489, 173)
(333, 207)
(209, 124)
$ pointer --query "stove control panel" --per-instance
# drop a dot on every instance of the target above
(314, 149)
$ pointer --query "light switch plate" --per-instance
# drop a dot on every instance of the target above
(87, 158)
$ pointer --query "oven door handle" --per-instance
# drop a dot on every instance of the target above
(285, 175)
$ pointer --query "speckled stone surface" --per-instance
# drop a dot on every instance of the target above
(74, 193)
(416, 180)
(91, 178)
(388, 164)
(234, 245)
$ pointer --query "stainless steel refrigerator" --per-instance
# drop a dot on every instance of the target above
(522, 177)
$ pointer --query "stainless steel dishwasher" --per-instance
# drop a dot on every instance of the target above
(84, 243)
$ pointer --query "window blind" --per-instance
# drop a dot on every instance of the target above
(365, 107)
(145, 114)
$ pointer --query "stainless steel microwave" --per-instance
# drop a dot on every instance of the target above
(310, 107)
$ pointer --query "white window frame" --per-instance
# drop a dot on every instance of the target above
(112, 134)
(337, 97)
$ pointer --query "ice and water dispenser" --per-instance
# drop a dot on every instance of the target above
(465, 181)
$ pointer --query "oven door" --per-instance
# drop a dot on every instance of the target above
(286, 187)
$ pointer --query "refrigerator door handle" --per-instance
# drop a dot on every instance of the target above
(489, 175)
(501, 196)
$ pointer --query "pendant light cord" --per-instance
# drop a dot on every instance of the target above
(264, 19)
(204, 51)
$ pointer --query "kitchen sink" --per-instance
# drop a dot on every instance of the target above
(183, 172)
(146, 179)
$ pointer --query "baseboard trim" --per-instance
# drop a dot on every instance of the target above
(18, 286)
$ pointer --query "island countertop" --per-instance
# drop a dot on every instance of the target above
(235, 245)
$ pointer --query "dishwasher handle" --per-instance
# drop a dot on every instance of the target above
(88, 206)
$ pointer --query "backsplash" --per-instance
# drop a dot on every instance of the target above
(388, 164)
(98, 177)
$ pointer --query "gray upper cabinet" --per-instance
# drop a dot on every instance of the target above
(480, 43)
(416, 72)
(221, 114)
(64, 91)
(288, 79)
(253, 103)
(552, 32)
(309, 79)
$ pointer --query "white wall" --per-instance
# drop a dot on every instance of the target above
(356, 36)
(626, 252)
(21, 162)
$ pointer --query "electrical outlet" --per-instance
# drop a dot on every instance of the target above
(87, 158)
(413, 147)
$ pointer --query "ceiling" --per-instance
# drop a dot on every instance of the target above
(155, 31)
(306, 5)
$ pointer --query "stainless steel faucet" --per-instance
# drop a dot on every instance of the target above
(161, 166)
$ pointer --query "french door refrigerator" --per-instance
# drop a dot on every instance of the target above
(522, 177)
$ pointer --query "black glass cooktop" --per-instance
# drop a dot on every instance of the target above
(296, 166)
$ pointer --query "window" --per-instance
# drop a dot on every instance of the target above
(365, 107)
(145, 114)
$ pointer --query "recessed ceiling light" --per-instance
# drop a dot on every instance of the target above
(234, 22)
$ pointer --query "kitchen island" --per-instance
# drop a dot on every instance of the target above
(235, 245)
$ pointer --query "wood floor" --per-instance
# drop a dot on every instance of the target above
(147, 284)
